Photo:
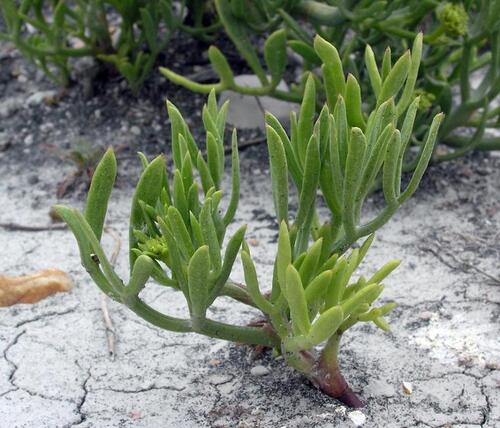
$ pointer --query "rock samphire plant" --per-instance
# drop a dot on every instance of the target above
(459, 76)
(178, 228)
(129, 34)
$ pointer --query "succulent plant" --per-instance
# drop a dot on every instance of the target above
(130, 34)
(460, 38)
(177, 230)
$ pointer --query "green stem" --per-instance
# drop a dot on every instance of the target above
(237, 292)
(197, 31)
(465, 72)
(266, 90)
(234, 333)
(321, 13)
(158, 319)
(459, 116)
(329, 354)
(431, 38)
(396, 31)
(490, 143)
(216, 329)
(486, 144)
(287, 96)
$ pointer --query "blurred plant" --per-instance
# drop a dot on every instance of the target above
(176, 238)
(129, 34)
(461, 38)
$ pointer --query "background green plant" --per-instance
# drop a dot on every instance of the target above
(177, 229)
(130, 34)
(460, 38)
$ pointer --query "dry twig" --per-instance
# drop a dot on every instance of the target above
(110, 330)
(460, 264)
(14, 227)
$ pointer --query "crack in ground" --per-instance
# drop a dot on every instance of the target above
(47, 315)
(231, 378)
(438, 302)
(212, 413)
(452, 373)
(3, 394)
(461, 265)
(45, 397)
(485, 411)
(15, 367)
(486, 414)
(81, 403)
(419, 423)
(10, 362)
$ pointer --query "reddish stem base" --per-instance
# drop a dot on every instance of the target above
(325, 374)
(332, 383)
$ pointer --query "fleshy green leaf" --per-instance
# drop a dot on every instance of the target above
(294, 293)
(275, 55)
(279, 173)
(99, 192)
(198, 273)
(353, 103)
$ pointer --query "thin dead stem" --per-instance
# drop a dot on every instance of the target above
(110, 330)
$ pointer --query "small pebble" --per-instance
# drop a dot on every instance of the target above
(259, 371)
(135, 130)
(9, 106)
(33, 179)
(28, 140)
(214, 363)
(219, 379)
(4, 141)
(426, 315)
(256, 411)
(39, 97)
(357, 417)
(45, 127)
(340, 410)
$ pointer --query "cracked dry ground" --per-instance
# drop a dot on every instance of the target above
(55, 370)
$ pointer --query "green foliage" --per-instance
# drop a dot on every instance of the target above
(460, 38)
(128, 34)
(177, 229)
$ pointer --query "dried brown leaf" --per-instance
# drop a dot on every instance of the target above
(33, 288)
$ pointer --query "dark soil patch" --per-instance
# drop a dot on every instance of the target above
(46, 131)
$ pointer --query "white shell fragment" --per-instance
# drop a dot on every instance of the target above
(407, 388)
(357, 417)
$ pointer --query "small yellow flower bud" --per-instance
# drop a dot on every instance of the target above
(453, 18)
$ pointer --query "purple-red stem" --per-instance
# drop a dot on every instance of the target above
(326, 374)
